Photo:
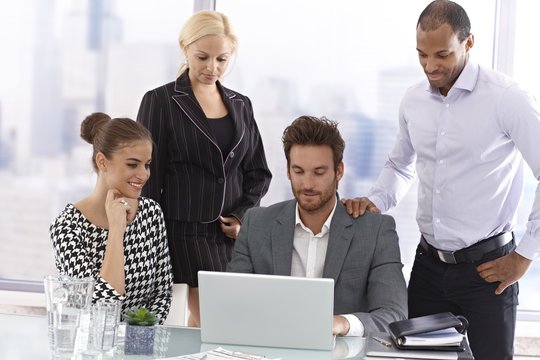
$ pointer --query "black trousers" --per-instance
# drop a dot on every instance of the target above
(436, 287)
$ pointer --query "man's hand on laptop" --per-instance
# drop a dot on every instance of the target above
(359, 205)
(340, 325)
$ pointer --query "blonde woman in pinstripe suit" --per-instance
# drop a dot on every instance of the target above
(208, 165)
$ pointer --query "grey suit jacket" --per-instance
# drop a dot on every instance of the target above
(363, 258)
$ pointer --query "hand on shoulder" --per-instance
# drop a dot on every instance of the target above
(359, 205)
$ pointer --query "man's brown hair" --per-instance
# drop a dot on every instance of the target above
(310, 130)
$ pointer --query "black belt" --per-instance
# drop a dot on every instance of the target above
(470, 254)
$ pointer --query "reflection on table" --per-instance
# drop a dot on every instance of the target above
(25, 337)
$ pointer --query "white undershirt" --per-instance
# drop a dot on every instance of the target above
(309, 254)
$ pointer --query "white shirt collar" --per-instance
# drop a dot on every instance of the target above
(326, 225)
(466, 80)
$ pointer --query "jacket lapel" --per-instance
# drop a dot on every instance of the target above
(187, 102)
(282, 240)
(235, 106)
(339, 240)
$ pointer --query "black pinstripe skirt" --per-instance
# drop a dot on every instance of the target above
(195, 246)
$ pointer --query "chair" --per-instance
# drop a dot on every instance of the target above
(178, 312)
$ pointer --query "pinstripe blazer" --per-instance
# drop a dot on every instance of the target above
(190, 177)
(362, 257)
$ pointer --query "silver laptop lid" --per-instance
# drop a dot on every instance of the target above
(266, 310)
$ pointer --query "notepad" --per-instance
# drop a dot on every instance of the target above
(374, 349)
(443, 337)
(220, 354)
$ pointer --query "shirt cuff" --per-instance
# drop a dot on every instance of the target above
(356, 328)
(111, 292)
(378, 202)
(528, 247)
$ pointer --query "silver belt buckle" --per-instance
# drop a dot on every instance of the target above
(447, 256)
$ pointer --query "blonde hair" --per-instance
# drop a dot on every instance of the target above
(204, 23)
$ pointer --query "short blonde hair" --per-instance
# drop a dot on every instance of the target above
(204, 23)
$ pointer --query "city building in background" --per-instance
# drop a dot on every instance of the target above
(348, 60)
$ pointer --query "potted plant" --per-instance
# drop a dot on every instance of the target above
(139, 331)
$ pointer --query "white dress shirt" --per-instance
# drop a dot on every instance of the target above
(309, 253)
(467, 149)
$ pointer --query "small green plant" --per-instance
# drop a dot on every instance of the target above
(140, 316)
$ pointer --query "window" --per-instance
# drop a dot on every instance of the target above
(62, 61)
(348, 60)
(351, 62)
(527, 73)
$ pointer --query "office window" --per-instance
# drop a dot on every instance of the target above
(346, 59)
(63, 60)
(350, 61)
(527, 73)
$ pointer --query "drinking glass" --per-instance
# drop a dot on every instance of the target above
(108, 311)
(68, 302)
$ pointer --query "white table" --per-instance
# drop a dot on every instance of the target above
(25, 337)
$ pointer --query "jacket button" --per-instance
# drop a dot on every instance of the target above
(231, 155)
(220, 181)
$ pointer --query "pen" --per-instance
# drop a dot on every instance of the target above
(382, 341)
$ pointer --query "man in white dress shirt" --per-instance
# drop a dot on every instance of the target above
(465, 133)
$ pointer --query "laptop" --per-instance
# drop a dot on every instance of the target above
(266, 310)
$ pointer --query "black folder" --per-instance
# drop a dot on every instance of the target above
(399, 330)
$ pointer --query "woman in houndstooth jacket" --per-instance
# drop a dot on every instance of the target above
(113, 235)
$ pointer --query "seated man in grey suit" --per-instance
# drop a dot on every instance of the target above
(313, 235)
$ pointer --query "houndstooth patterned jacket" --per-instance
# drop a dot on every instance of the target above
(79, 248)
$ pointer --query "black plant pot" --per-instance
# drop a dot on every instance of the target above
(139, 340)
